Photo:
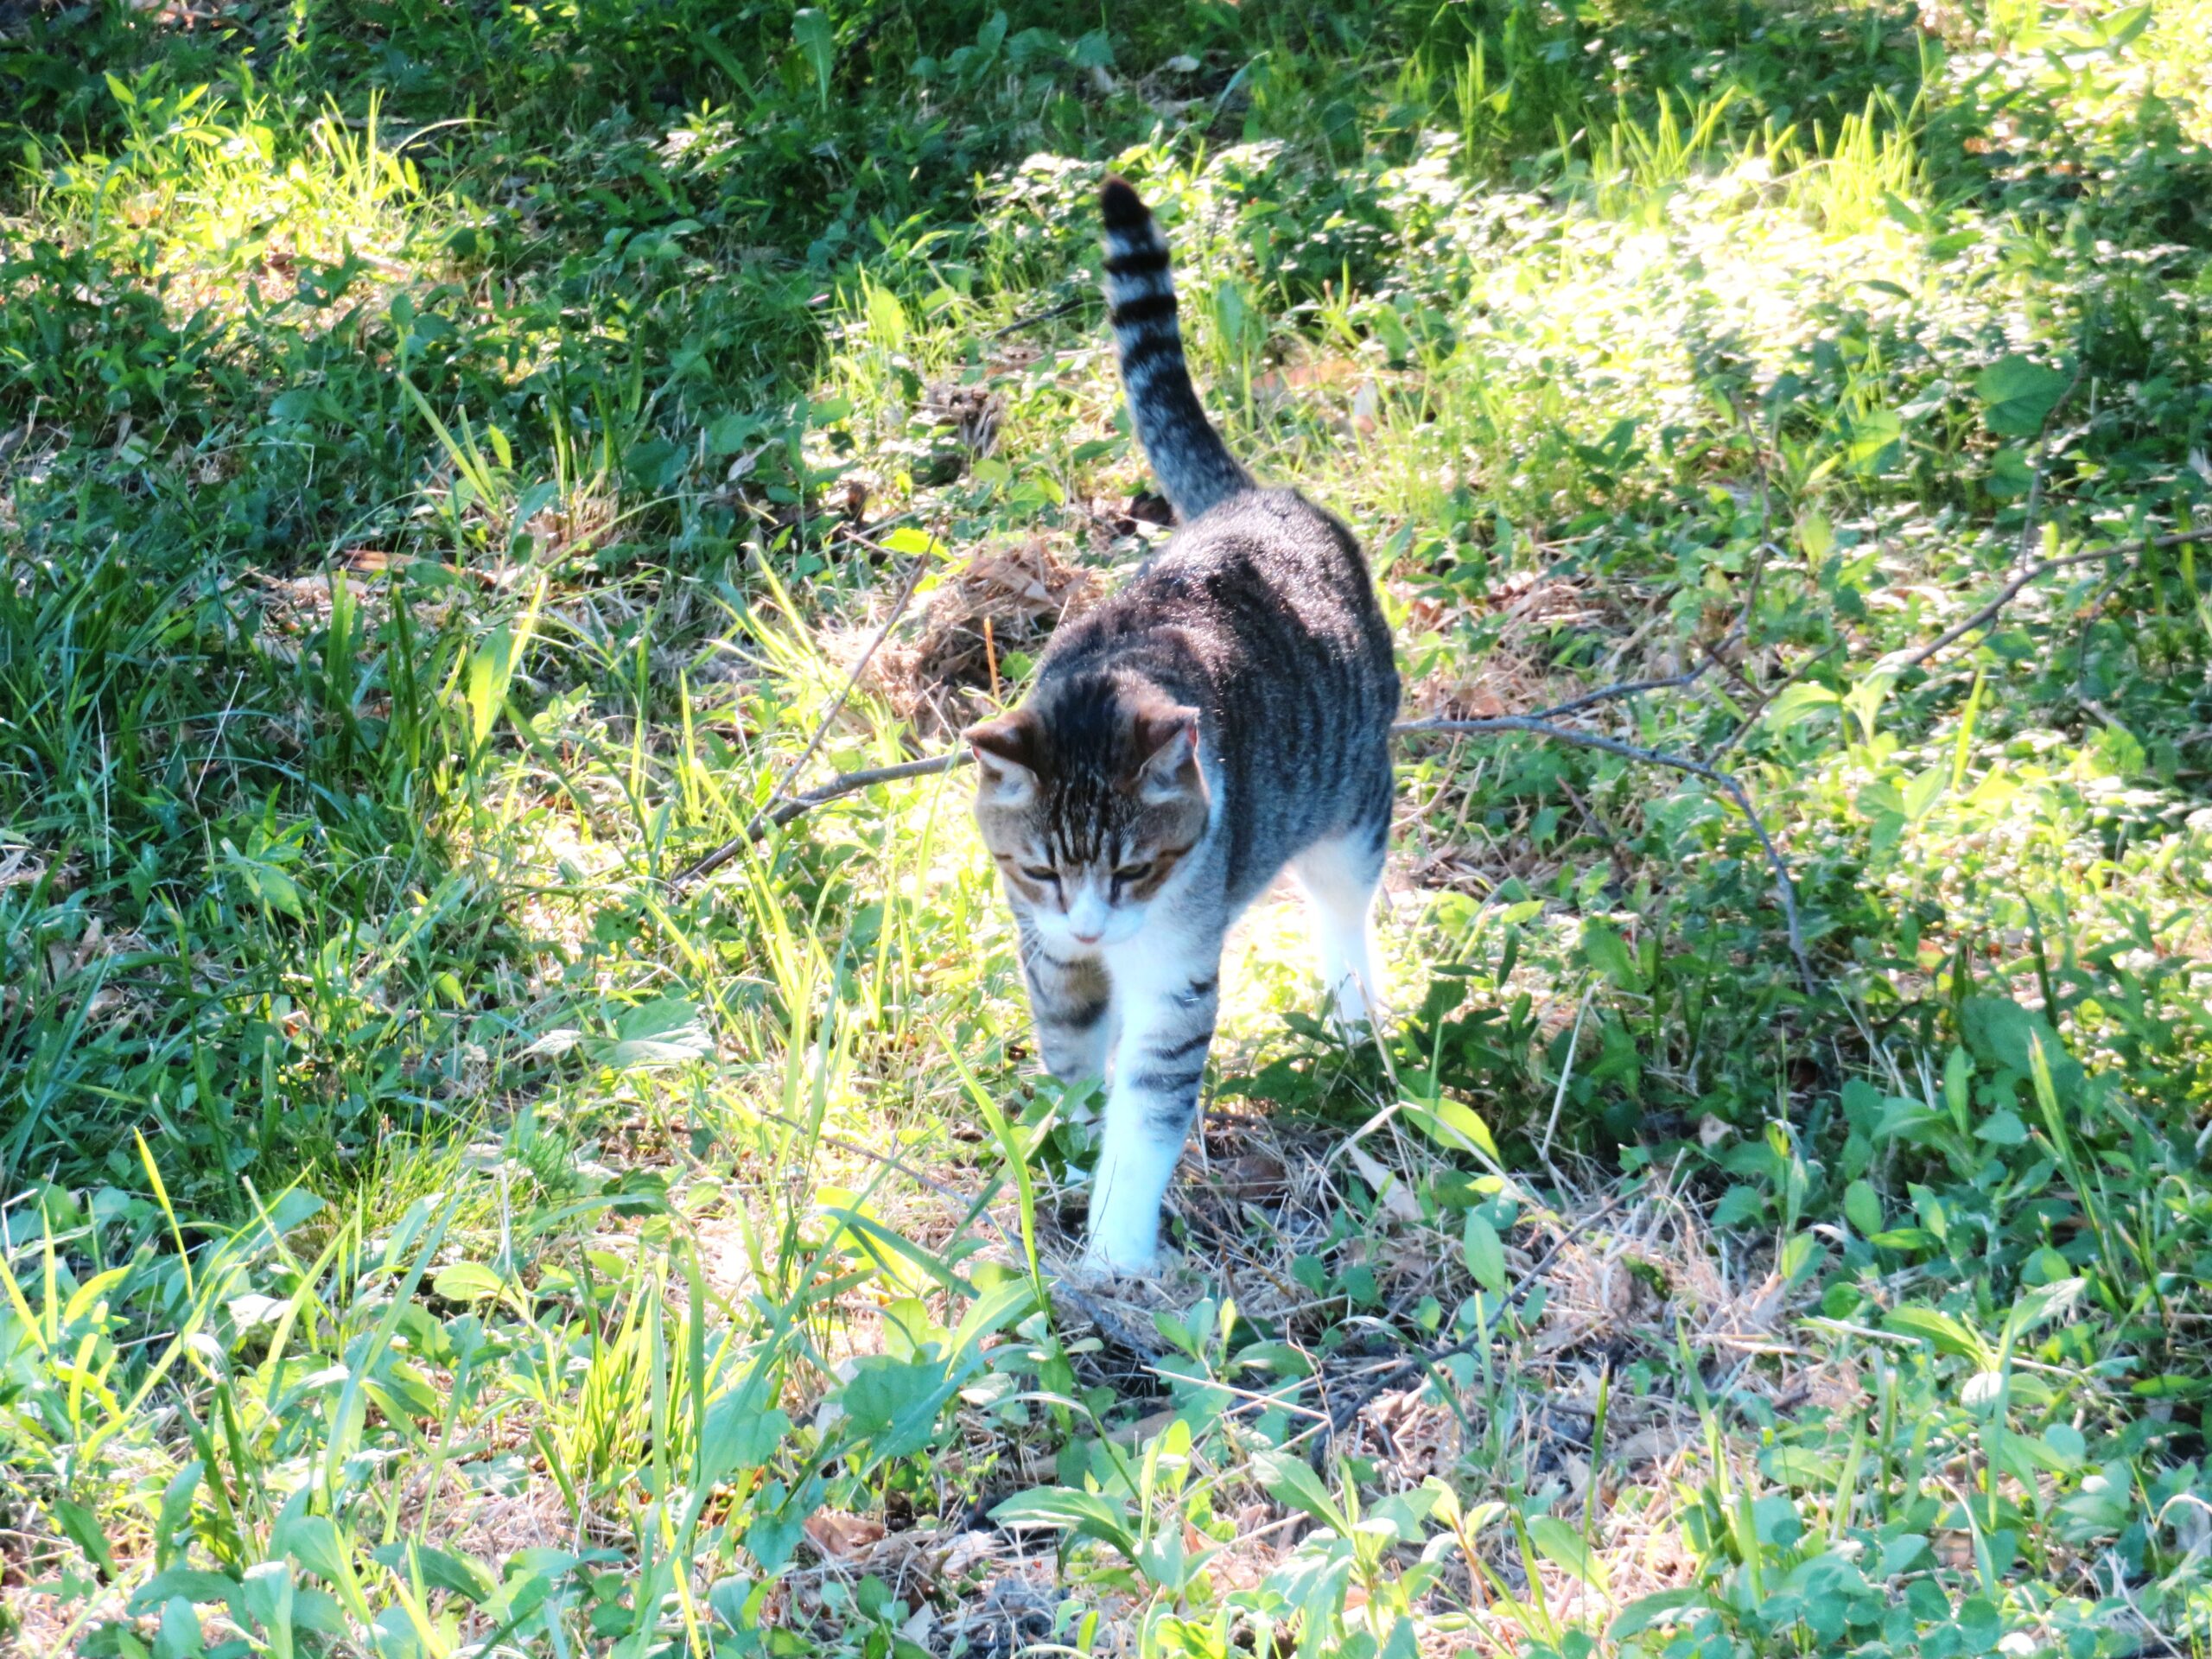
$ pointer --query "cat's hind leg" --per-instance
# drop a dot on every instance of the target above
(1341, 877)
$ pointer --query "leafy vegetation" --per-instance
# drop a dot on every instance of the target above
(455, 458)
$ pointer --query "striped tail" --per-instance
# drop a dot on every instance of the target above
(1188, 457)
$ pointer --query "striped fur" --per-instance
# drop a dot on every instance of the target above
(1194, 466)
(1222, 717)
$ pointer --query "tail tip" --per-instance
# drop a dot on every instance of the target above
(1120, 205)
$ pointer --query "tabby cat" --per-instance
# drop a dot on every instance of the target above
(1226, 714)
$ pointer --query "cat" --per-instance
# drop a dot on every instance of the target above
(1225, 715)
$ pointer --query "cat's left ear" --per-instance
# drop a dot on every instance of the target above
(1168, 739)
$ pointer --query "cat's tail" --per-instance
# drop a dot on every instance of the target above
(1188, 457)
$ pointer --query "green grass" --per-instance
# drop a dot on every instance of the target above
(453, 457)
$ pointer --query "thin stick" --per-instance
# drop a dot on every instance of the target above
(730, 850)
(779, 811)
(1987, 613)
(1761, 699)
(1630, 689)
(851, 782)
(1785, 889)
(1064, 308)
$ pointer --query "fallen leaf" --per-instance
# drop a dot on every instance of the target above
(1390, 1189)
(840, 1536)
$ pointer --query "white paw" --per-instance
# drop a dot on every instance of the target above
(1121, 1250)
(1352, 1012)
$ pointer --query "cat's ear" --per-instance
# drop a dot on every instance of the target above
(1168, 737)
(1006, 750)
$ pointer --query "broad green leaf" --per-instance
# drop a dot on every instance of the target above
(312, 1540)
(439, 1569)
(1562, 1545)
(1950, 1335)
(994, 1310)
(2018, 395)
(83, 1528)
(1799, 703)
(1289, 1481)
(1862, 1208)
(180, 1635)
(664, 1032)
(466, 1281)
(193, 1583)
(1738, 1205)
(1903, 1238)
(1485, 1253)
(1646, 1610)
(1450, 1123)
(917, 543)
(1608, 952)
(2044, 1303)
(811, 28)
(1873, 441)
(739, 1434)
(1920, 794)
(1087, 1515)
(266, 1597)
(2001, 1032)
(2010, 477)
(894, 1403)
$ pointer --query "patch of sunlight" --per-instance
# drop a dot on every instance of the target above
(235, 207)
(2180, 62)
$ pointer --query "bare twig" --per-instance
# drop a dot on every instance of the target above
(1785, 889)
(851, 782)
(1989, 612)
(1064, 308)
(1608, 693)
(779, 811)
(730, 850)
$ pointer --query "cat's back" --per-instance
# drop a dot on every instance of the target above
(1261, 563)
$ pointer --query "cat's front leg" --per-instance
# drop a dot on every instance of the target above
(1070, 1005)
(1168, 995)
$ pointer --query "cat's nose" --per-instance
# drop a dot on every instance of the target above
(1082, 937)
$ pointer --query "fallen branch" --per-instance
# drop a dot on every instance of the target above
(770, 811)
(1608, 693)
(1989, 612)
(1785, 889)
(779, 811)
(1065, 308)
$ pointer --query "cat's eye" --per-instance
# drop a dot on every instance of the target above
(1036, 874)
(1132, 872)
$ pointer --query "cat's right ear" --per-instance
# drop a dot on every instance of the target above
(1006, 752)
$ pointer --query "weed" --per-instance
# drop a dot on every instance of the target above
(451, 458)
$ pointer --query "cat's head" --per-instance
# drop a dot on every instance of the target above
(1090, 794)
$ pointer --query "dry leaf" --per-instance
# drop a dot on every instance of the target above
(1391, 1190)
(840, 1536)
